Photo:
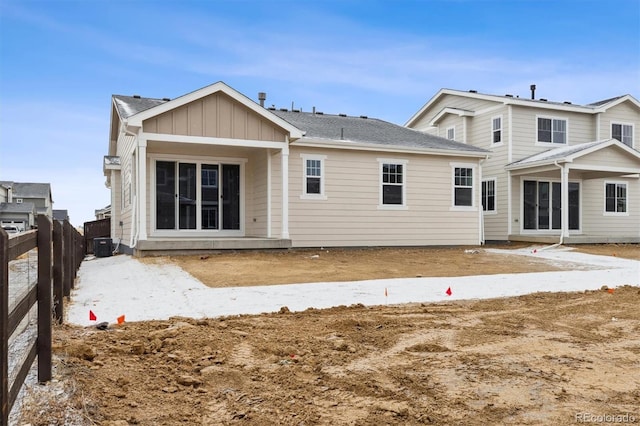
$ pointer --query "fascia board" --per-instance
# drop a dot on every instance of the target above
(137, 119)
(625, 98)
(205, 140)
(359, 146)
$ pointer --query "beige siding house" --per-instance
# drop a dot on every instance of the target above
(557, 171)
(215, 170)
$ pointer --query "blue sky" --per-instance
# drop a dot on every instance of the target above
(60, 62)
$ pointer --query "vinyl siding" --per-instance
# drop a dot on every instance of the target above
(256, 194)
(612, 157)
(596, 222)
(624, 113)
(217, 116)
(350, 215)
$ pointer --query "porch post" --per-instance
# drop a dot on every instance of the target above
(564, 191)
(285, 191)
(141, 187)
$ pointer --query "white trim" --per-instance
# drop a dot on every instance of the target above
(501, 128)
(284, 234)
(395, 161)
(205, 140)
(509, 204)
(269, 193)
(495, 196)
(304, 195)
(198, 160)
(453, 128)
(474, 179)
(604, 198)
(510, 138)
(552, 143)
(620, 123)
(141, 191)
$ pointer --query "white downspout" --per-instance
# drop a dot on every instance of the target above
(134, 229)
(565, 202)
(480, 209)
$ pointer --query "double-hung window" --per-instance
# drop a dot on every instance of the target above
(496, 130)
(462, 186)
(313, 176)
(622, 132)
(489, 195)
(615, 197)
(392, 182)
(552, 130)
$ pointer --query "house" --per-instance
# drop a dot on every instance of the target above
(558, 171)
(213, 169)
(61, 215)
(21, 203)
(103, 213)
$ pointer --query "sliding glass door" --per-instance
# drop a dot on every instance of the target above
(542, 206)
(197, 196)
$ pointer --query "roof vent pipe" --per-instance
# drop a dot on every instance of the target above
(533, 91)
(262, 96)
(314, 110)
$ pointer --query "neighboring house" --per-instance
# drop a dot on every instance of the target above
(213, 170)
(557, 172)
(21, 215)
(5, 192)
(61, 215)
(103, 213)
(37, 193)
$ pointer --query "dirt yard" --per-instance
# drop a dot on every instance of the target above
(536, 359)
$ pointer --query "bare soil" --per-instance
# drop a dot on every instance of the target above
(538, 359)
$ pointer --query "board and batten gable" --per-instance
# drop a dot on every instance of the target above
(350, 213)
(218, 116)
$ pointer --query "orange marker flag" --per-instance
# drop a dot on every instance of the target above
(448, 291)
(92, 316)
(120, 319)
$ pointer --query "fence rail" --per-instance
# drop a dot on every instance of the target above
(60, 252)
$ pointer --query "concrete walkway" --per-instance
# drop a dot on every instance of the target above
(121, 285)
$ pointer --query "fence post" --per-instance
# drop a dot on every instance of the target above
(44, 298)
(4, 326)
(66, 258)
(58, 271)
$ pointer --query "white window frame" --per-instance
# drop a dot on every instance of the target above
(394, 161)
(474, 186)
(604, 198)
(495, 196)
(494, 130)
(552, 143)
(154, 232)
(623, 125)
(304, 195)
(451, 129)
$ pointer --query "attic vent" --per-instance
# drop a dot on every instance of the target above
(342, 115)
(509, 96)
(295, 110)
(284, 109)
(543, 99)
(567, 102)
(319, 112)
(136, 96)
(166, 99)
(473, 91)
(364, 116)
(271, 108)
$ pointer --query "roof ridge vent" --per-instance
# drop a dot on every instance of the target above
(509, 96)
(364, 117)
(473, 91)
(543, 99)
(342, 115)
(284, 109)
(136, 96)
(166, 99)
(319, 113)
(271, 108)
(567, 102)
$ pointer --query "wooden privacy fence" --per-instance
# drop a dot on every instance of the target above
(60, 252)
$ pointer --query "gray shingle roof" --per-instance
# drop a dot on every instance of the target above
(31, 190)
(130, 105)
(17, 207)
(604, 102)
(557, 153)
(368, 130)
